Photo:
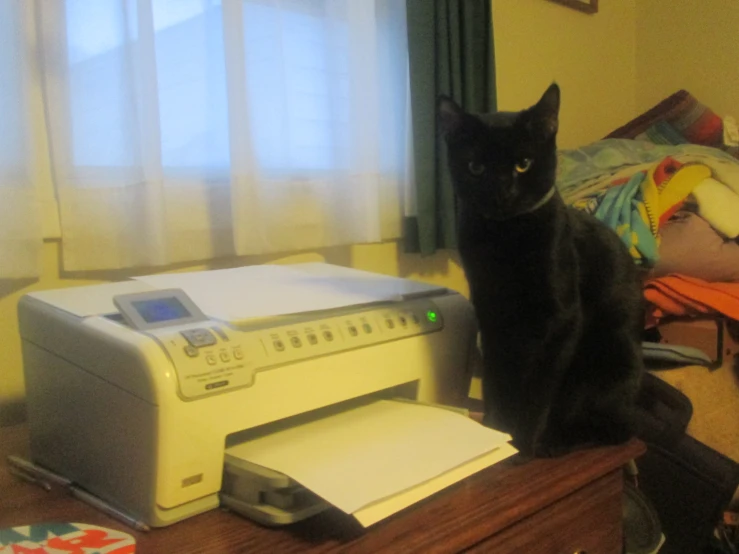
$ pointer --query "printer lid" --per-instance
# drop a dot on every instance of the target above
(89, 300)
(261, 291)
(251, 292)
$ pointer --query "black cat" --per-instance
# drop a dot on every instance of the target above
(557, 296)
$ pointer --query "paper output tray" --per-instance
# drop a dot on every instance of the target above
(264, 495)
(371, 461)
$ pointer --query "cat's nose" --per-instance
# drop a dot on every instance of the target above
(505, 195)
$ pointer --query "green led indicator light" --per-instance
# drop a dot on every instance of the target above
(432, 317)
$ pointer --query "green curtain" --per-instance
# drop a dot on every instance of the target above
(450, 48)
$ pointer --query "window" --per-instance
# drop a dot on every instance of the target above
(295, 71)
(182, 130)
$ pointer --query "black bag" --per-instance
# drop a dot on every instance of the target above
(689, 484)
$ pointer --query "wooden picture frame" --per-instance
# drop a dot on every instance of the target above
(585, 6)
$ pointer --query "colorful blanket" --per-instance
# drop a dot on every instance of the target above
(589, 169)
(616, 180)
(635, 209)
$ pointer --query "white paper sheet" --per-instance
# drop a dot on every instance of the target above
(91, 300)
(268, 290)
(386, 507)
(359, 457)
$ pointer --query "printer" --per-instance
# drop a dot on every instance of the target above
(137, 389)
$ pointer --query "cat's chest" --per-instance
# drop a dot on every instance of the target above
(512, 282)
(519, 275)
(507, 262)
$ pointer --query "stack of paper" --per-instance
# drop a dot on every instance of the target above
(375, 460)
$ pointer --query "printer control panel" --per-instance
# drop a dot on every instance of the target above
(210, 358)
(290, 343)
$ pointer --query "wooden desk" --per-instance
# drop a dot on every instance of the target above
(566, 505)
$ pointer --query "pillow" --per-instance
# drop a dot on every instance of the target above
(662, 133)
(690, 246)
(678, 115)
(719, 206)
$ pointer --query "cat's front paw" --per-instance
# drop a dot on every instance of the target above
(555, 450)
(521, 459)
(552, 450)
(494, 421)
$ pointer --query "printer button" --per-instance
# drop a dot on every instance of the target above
(205, 337)
(403, 320)
(296, 342)
(279, 345)
(312, 339)
(238, 353)
(328, 335)
(367, 328)
(352, 330)
(199, 337)
(191, 351)
(211, 359)
(390, 323)
(225, 357)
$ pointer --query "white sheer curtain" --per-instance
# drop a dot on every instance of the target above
(190, 129)
(20, 231)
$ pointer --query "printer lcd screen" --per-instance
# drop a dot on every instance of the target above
(160, 309)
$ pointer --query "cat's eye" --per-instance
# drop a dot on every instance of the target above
(524, 165)
(476, 169)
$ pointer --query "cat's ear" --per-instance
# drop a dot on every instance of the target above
(546, 113)
(450, 115)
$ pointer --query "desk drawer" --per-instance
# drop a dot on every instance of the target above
(588, 521)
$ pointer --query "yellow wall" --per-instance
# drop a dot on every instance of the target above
(688, 44)
(592, 57)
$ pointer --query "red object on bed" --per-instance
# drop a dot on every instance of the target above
(680, 295)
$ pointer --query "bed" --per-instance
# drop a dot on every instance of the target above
(668, 183)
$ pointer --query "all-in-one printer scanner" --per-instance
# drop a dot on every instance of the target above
(136, 389)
